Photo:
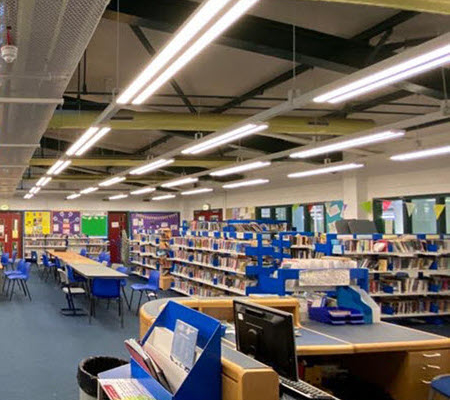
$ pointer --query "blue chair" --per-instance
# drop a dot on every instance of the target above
(440, 385)
(101, 257)
(12, 260)
(73, 277)
(151, 288)
(5, 260)
(34, 257)
(22, 279)
(18, 270)
(49, 267)
(83, 252)
(105, 289)
(123, 283)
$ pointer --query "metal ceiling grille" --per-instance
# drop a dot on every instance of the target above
(51, 37)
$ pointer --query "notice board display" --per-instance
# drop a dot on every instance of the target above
(94, 224)
(37, 223)
(154, 220)
(66, 222)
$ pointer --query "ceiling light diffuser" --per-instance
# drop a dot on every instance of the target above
(118, 196)
(94, 139)
(436, 151)
(231, 16)
(227, 137)
(82, 140)
(43, 181)
(35, 190)
(54, 167)
(179, 182)
(252, 182)
(143, 190)
(28, 196)
(73, 196)
(348, 144)
(196, 191)
(112, 181)
(164, 197)
(89, 190)
(241, 168)
(195, 24)
(151, 166)
(388, 76)
(325, 170)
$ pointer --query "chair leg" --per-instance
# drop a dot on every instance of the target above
(4, 284)
(121, 312)
(27, 289)
(23, 287)
(12, 290)
(139, 304)
(131, 299)
(125, 297)
(8, 286)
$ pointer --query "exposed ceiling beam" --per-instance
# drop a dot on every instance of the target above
(264, 36)
(428, 6)
(62, 145)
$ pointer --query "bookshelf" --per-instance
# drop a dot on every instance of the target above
(224, 262)
(409, 274)
(149, 251)
(41, 243)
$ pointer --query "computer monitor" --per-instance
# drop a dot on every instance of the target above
(267, 335)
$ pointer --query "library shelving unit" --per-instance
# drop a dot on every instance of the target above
(149, 250)
(409, 274)
(41, 243)
(210, 262)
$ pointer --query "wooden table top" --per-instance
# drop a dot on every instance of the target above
(70, 257)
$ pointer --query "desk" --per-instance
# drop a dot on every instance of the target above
(401, 360)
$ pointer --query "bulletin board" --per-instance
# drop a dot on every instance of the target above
(94, 224)
(154, 220)
(37, 223)
(66, 222)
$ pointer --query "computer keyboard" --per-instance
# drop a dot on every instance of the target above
(301, 388)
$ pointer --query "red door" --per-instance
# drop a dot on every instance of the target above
(11, 233)
(117, 222)
(208, 215)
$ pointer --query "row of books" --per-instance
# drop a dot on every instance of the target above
(417, 306)
(232, 264)
(192, 289)
(305, 240)
(407, 264)
(207, 225)
(401, 245)
(399, 286)
(212, 277)
(226, 245)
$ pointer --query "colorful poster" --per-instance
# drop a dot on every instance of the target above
(334, 210)
(66, 222)
(37, 223)
(154, 220)
(94, 224)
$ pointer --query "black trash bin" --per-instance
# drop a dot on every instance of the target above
(88, 370)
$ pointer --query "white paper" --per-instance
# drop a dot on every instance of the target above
(114, 224)
(333, 210)
(125, 389)
(55, 228)
(76, 228)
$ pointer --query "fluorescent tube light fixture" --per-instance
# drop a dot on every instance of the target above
(164, 197)
(241, 168)
(94, 139)
(349, 144)
(225, 21)
(73, 196)
(196, 191)
(195, 24)
(28, 196)
(143, 191)
(43, 181)
(436, 151)
(82, 140)
(388, 76)
(35, 190)
(179, 182)
(151, 166)
(227, 137)
(118, 196)
(112, 181)
(252, 182)
(54, 167)
(325, 170)
(89, 190)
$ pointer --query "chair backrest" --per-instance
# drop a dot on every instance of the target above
(58, 263)
(101, 256)
(122, 269)
(83, 252)
(63, 276)
(26, 270)
(20, 264)
(34, 256)
(45, 260)
(70, 274)
(153, 279)
(14, 256)
(5, 259)
(106, 287)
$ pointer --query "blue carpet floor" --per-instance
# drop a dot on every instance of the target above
(41, 349)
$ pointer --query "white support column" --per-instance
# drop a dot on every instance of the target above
(355, 192)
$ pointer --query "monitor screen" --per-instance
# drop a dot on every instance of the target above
(267, 335)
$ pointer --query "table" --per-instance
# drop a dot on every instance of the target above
(401, 360)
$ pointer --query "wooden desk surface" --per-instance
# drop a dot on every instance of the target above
(86, 267)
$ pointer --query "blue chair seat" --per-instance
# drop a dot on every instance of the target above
(17, 276)
(142, 286)
(12, 272)
(441, 384)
